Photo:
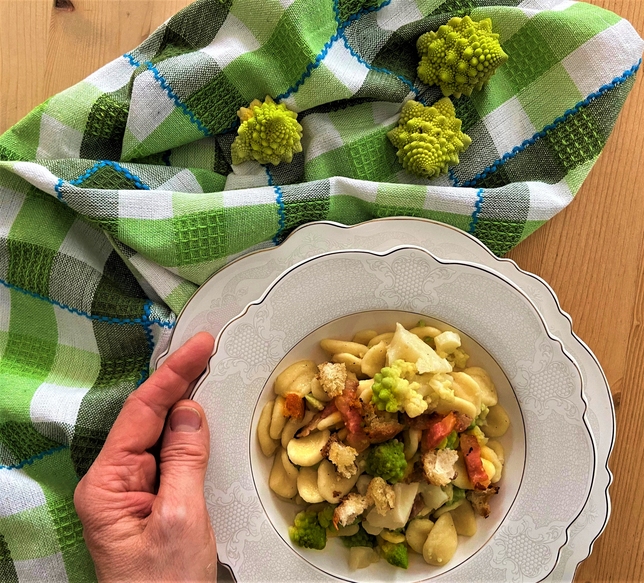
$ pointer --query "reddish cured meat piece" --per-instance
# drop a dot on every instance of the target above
(475, 470)
(350, 408)
(294, 406)
(313, 424)
(438, 429)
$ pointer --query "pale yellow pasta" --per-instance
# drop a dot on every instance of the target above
(497, 422)
(342, 531)
(441, 543)
(352, 362)
(416, 533)
(306, 450)
(374, 359)
(342, 434)
(266, 443)
(489, 468)
(330, 421)
(462, 480)
(459, 405)
(411, 439)
(447, 508)
(292, 425)
(278, 420)
(465, 387)
(425, 331)
(331, 485)
(498, 450)
(488, 390)
(333, 346)
(301, 386)
(392, 536)
(464, 519)
(283, 478)
(307, 486)
(318, 392)
(365, 391)
(364, 336)
(386, 337)
(288, 375)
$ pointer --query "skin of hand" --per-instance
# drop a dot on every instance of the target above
(145, 519)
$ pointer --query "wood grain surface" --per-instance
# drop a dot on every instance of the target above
(592, 253)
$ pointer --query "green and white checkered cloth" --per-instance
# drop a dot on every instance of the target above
(118, 198)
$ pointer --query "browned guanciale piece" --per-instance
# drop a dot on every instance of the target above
(480, 500)
(350, 408)
(313, 424)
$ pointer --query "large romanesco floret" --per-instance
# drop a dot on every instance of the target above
(268, 133)
(429, 139)
(395, 554)
(359, 539)
(307, 532)
(387, 461)
(461, 56)
(393, 392)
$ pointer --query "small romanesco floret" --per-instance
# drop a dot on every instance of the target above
(429, 139)
(450, 442)
(359, 539)
(460, 56)
(269, 133)
(325, 516)
(307, 531)
(395, 554)
(393, 392)
(387, 460)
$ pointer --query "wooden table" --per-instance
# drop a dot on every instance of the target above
(592, 253)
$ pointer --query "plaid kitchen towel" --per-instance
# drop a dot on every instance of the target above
(118, 197)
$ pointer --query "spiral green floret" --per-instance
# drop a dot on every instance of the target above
(387, 461)
(429, 139)
(359, 539)
(307, 532)
(395, 554)
(460, 56)
(268, 133)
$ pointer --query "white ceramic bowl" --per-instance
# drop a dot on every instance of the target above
(550, 461)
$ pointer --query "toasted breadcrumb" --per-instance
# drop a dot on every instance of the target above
(481, 500)
(438, 466)
(381, 494)
(352, 506)
(332, 377)
(343, 458)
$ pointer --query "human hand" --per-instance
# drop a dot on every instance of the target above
(145, 520)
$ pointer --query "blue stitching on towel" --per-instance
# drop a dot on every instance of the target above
(171, 94)
(147, 323)
(555, 124)
(477, 210)
(325, 49)
(33, 458)
(108, 319)
(281, 211)
(133, 177)
(378, 69)
(59, 192)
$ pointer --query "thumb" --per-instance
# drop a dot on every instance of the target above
(185, 449)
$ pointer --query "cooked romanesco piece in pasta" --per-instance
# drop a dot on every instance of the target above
(393, 391)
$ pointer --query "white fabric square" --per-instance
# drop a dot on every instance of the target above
(248, 174)
(75, 330)
(5, 308)
(151, 104)
(87, 244)
(345, 67)
(183, 181)
(286, 3)
(398, 13)
(460, 201)
(145, 204)
(360, 189)
(538, 5)
(49, 569)
(10, 205)
(162, 281)
(37, 175)
(54, 405)
(509, 125)
(112, 76)
(385, 113)
(232, 40)
(249, 197)
(546, 200)
(319, 136)
(602, 58)
(18, 492)
(58, 140)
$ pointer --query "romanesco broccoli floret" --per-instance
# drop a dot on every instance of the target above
(325, 516)
(307, 531)
(395, 554)
(392, 391)
(460, 56)
(387, 461)
(450, 442)
(359, 539)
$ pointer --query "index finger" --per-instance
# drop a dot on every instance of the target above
(140, 422)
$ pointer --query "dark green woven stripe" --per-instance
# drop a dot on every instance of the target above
(23, 441)
(7, 570)
(105, 128)
(347, 8)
